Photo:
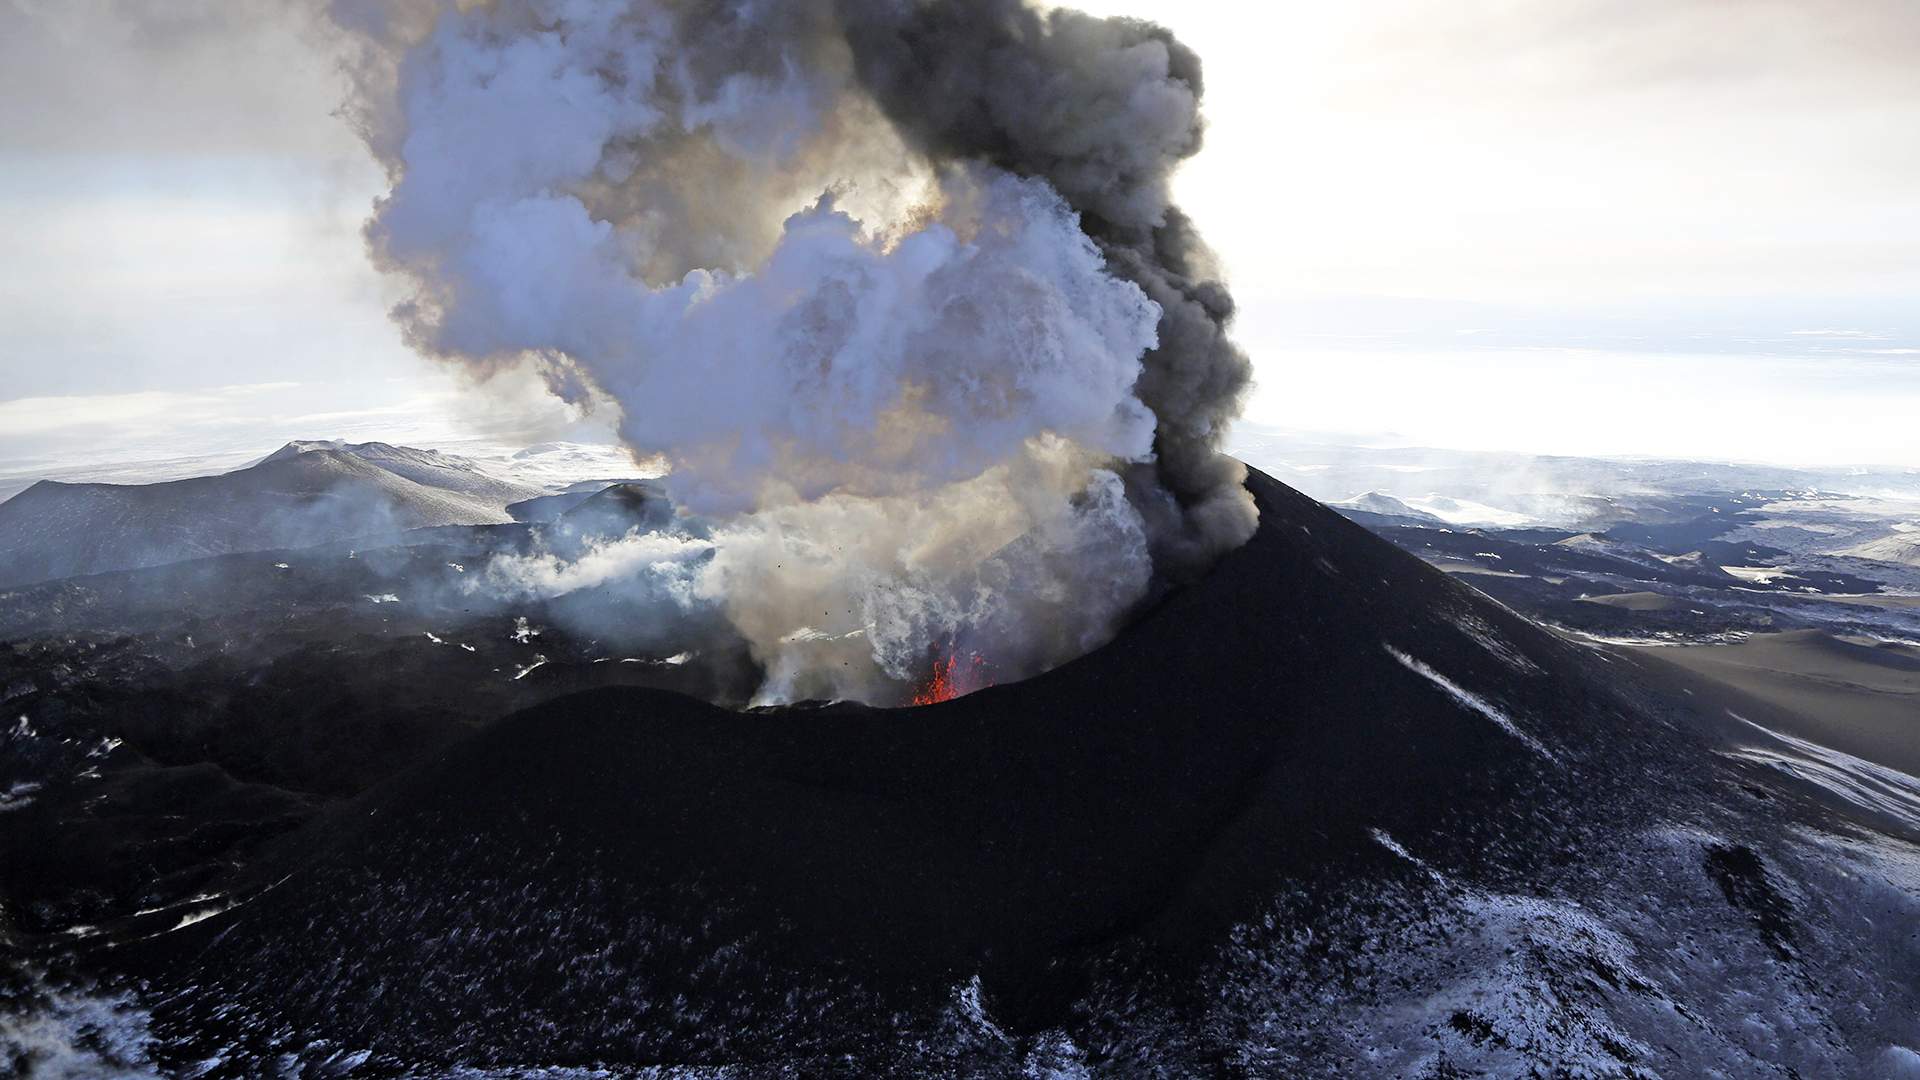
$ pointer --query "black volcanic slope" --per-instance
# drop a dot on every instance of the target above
(1160, 856)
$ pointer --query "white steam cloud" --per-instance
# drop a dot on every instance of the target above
(899, 388)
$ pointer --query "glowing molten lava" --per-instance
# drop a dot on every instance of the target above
(951, 679)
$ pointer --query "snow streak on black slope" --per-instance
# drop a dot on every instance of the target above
(304, 493)
(1324, 813)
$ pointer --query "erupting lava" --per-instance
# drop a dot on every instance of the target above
(950, 680)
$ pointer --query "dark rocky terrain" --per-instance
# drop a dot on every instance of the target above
(1325, 812)
(1692, 570)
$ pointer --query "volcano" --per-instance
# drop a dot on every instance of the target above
(1323, 812)
(306, 492)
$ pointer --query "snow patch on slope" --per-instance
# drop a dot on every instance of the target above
(1866, 785)
(1471, 701)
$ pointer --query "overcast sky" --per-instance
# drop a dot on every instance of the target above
(1649, 227)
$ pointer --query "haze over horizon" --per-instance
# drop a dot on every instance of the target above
(1593, 230)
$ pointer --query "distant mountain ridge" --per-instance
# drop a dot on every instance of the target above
(429, 468)
(306, 492)
(1379, 505)
(1899, 547)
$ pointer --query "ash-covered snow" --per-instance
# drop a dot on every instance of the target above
(1650, 972)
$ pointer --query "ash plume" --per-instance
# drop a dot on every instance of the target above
(896, 289)
(1103, 110)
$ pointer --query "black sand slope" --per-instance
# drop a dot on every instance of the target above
(1326, 777)
(1861, 699)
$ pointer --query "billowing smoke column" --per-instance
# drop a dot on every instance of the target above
(894, 287)
(1102, 109)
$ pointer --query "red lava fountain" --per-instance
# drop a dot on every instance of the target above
(951, 679)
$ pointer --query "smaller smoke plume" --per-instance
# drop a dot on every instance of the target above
(846, 596)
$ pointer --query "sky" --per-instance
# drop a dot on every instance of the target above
(1682, 228)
